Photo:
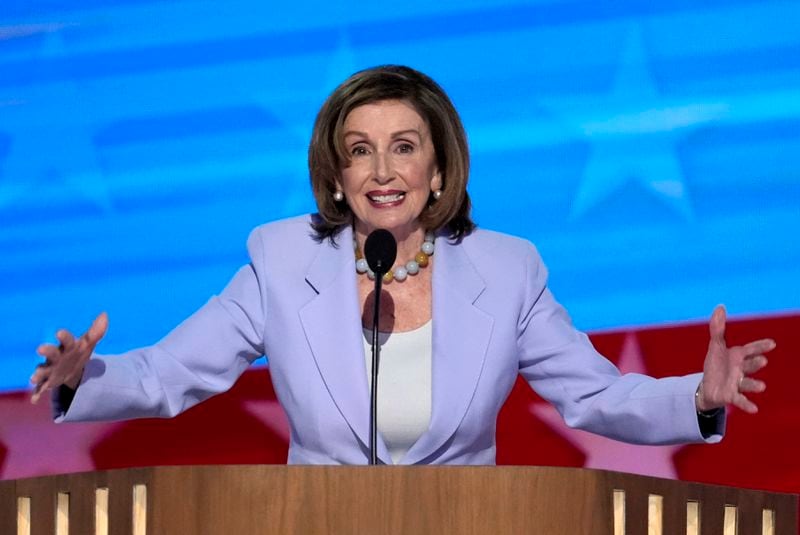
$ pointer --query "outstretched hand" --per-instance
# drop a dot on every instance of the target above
(727, 370)
(64, 363)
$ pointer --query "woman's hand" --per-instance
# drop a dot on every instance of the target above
(65, 362)
(727, 370)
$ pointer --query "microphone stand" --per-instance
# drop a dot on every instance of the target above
(380, 252)
(376, 352)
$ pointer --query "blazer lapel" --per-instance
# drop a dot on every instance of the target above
(461, 335)
(332, 326)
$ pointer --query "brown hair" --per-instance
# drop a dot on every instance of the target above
(326, 153)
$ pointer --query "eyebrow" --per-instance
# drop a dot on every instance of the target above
(394, 134)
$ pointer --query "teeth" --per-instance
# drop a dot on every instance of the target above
(387, 198)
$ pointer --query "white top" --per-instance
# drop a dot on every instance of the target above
(404, 386)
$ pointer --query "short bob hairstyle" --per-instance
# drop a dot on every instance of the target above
(327, 154)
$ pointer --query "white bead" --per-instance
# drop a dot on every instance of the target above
(427, 248)
(361, 265)
(400, 274)
(371, 274)
(412, 267)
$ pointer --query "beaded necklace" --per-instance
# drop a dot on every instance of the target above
(400, 273)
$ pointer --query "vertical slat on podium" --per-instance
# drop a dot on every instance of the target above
(139, 509)
(8, 507)
(81, 503)
(120, 500)
(42, 492)
(101, 511)
(144, 477)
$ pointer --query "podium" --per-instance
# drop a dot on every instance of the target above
(266, 499)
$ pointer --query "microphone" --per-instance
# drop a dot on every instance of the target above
(380, 251)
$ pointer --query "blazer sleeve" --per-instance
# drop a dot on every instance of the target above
(589, 392)
(201, 357)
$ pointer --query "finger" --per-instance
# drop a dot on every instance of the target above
(49, 351)
(38, 390)
(38, 377)
(66, 339)
(752, 364)
(759, 346)
(745, 404)
(748, 384)
(716, 326)
(40, 374)
(98, 329)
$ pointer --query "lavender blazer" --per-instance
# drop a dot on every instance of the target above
(297, 302)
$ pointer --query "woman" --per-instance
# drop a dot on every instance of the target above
(464, 312)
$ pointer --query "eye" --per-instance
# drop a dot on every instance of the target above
(405, 148)
(358, 150)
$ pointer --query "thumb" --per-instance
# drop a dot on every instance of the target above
(98, 328)
(716, 326)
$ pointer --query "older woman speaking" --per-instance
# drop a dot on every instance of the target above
(464, 311)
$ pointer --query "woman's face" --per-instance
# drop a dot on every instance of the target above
(392, 168)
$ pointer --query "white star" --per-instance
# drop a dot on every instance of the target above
(607, 454)
(299, 112)
(632, 132)
(296, 110)
(341, 64)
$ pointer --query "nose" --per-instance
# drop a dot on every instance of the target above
(383, 167)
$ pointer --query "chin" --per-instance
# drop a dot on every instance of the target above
(392, 225)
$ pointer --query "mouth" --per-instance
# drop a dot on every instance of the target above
(386, 198)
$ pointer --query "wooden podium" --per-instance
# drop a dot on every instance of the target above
(260, 499)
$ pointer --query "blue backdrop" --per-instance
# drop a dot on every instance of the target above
(649, 149)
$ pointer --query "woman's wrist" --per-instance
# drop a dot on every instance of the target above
(73, 382)
(701, 405)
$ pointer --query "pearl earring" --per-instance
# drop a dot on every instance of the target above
(437, 194)
(338, 196)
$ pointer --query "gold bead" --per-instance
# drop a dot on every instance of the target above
(388, 276)
(421, 258)
(359, 255)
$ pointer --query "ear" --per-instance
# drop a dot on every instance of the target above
(436, 181)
